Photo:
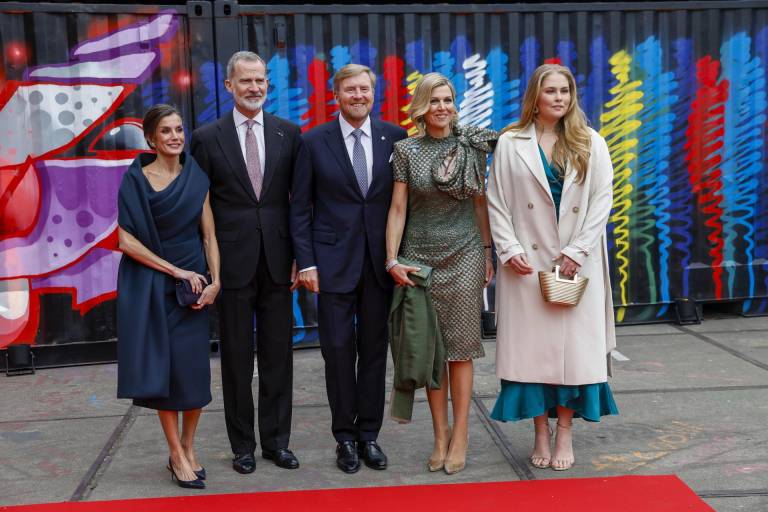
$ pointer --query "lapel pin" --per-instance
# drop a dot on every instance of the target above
(280, 133)
(383, 138)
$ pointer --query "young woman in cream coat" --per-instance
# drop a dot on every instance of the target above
(549, 198)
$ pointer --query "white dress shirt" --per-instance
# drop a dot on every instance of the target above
(365, 140)
(258, 130)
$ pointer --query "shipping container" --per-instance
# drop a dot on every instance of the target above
(678, 89)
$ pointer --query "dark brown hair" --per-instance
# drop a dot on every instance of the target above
(154, 115)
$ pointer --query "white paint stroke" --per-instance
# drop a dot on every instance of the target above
(477, 106)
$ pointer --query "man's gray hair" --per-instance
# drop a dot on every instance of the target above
(244, 55)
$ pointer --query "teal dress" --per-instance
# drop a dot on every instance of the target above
(521, 400)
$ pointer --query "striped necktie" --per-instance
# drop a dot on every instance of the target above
(252, 161)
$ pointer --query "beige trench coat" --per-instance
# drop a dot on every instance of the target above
(537, 341)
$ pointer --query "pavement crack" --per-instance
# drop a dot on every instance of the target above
(724, 347)
(520, 467)
(100, 465)
(732, 493)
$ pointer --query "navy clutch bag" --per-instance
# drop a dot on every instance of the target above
(184, 294)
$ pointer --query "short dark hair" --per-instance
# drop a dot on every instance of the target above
(154, 115)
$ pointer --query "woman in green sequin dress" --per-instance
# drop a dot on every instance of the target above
(439, 218)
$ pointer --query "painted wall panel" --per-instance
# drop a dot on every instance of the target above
(679, 94)
(678, 90)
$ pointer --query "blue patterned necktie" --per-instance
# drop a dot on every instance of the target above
(358, 162)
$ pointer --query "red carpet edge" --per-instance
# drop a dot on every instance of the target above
(663, 493)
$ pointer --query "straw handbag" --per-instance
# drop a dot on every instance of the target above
(561, 290)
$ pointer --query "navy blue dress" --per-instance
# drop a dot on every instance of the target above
(163, 348)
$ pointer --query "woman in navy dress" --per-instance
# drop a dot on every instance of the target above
(166, 233)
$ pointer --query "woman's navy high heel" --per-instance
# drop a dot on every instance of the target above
(186, 484)
(200, 473)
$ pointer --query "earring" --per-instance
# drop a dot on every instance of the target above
(535, 110)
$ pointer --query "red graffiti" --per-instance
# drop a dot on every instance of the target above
(19, 200)
(705, 132)
(321, 105)
(395, 93)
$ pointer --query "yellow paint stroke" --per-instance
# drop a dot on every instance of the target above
(619, 127)
(670, 439)
(413, 80)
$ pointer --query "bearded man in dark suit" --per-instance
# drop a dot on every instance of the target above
(249, 156)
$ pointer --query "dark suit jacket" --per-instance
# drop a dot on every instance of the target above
(238, 216)
(331, 221)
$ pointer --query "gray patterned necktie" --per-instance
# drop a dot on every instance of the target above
(358, 162)
(252, 161)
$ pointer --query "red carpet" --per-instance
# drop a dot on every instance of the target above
(624, 493)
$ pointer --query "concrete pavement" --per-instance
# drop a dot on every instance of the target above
(692, 402)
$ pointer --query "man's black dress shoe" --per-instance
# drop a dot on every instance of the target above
(372, 455)
(282, 457)
(244, 463)
(346, 457)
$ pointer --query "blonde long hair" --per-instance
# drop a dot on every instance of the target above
(573, 136)
(423, 94)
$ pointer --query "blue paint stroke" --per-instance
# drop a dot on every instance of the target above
(461, 49)
(506, 93)
(207, 81)
(155, 92)
(301, 56)
(651, 207)
(681, 196)
(298, 319)
(742, 159)
(282, 99)
(566, 52)
(529, 58)
(595, 95)
(340, 57)
(599, 82)
(761, 214)
(363, 53)
(414, 57)
(443, 62)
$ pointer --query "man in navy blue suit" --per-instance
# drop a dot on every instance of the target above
(342, 188)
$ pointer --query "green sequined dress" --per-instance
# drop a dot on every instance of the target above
(441, 232)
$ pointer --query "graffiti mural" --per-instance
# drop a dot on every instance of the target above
(59, 199)
(70, 131)
(685, 120)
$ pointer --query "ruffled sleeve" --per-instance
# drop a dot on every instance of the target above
(460, 169)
